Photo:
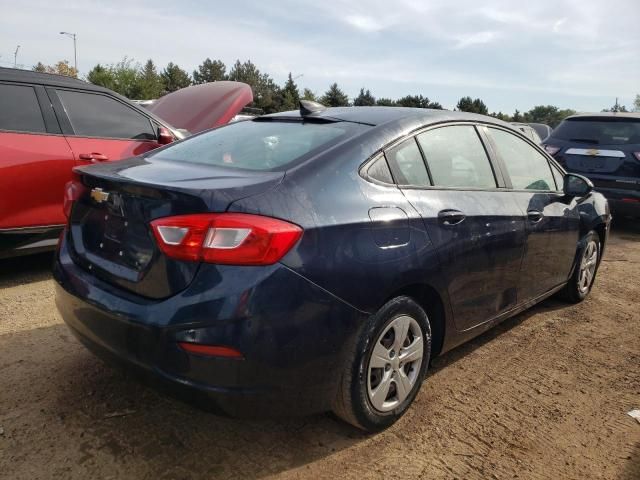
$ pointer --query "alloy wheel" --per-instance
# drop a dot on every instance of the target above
(588, 265)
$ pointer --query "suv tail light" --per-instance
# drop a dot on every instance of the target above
(73, 190)
(551, 150)
(225, 238)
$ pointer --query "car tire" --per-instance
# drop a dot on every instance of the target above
(584, 273)
(379, 384)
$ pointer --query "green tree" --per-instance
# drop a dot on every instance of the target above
(39, 67)
(547, 114)
(266, 94)
(126, 75)
(334, 97)
(174, 78)
(102, 76)
(307, 94)
(636, 104)
(467, 104)
(616, 108)
(517, 116)
(290, 95)
(417, 101)
(150, 83)
(501, 116)
(364, 99)
(385, 102)
(210, 71)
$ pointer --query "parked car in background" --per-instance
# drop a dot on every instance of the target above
(605, 147)
(527, 131)
(51, 123)
(541, 129)
(318, 259)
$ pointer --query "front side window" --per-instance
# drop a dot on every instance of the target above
(94, 115)
(259, 144)
(407, 164)
(528, 168)
(456, 157)
(19, 109)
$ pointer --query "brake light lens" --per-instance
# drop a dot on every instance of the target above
(551, 150)
(225, 238)
(73, 190)
(211, 350)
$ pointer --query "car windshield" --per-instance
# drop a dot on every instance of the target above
(259, 144)
(599, 131)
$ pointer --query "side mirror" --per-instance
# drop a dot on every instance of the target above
(576, 185)
(164, 136)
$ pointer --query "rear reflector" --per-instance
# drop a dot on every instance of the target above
(630, 200)
(211, 350)
(225, 238)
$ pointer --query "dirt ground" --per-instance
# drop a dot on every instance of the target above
(544, 395)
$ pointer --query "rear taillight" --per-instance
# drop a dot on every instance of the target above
(73, 190)
(225, 238)
(551, 150)
(211, 350)
(637, 155)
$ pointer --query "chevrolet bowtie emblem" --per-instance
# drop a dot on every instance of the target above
(593, 152)
(99, 196)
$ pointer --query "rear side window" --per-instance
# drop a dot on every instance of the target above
(599, 130)
(408, 165)
(19, 109)
(94, 115)
(259, 144)
(456, 157)
(528, 168)
(379, 170)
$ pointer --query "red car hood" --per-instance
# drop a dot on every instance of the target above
(200, 107)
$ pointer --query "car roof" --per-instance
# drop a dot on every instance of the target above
(375, 116)
(631, 115)
(50, 79)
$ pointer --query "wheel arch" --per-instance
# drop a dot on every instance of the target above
(430, 300)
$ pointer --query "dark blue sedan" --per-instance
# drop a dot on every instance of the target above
(318, 259)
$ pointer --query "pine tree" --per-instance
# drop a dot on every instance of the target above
(334, 97)
(174, 78)
(364, 99)
(150, 83)
(210, 71)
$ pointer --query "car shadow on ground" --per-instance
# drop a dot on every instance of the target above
(27, 269)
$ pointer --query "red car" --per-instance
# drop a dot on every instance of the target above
(51, 123)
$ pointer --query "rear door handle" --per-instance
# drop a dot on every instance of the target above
(451, 217)
(93, 157)
(534, 216)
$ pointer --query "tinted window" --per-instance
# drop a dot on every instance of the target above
(456, 157)
(19, 109)
(528, 168)
(408, 165)
(599, 130)
(258, 145)
(379, 170)
(95, 115)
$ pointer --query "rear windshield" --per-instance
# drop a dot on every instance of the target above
(259, 144)
(599, 131)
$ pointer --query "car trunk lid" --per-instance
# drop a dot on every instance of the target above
(109, 227)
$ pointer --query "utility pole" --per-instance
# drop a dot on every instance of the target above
(15, 57)
(75, 50)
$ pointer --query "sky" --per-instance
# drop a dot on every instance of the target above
(578, 54)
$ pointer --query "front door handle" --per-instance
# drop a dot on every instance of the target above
(534, 216)
(451, 217)
(93, 157)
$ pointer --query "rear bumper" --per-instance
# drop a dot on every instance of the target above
(294, 336)
(623, 202)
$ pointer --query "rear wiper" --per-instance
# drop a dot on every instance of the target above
(584, 140)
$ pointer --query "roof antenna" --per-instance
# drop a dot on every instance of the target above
(307, 107)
